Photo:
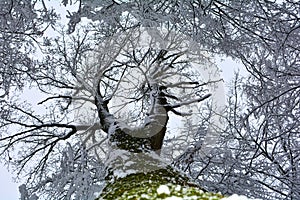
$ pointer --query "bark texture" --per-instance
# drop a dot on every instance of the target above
(158, 184)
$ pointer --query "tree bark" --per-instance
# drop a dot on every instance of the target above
(134, 167)
(147, 177)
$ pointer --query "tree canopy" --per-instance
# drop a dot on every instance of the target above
(109, 82)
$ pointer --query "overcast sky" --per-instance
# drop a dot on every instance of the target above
(8, 189)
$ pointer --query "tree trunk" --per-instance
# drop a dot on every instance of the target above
(136, 171)
(143, 175)
(134, 167)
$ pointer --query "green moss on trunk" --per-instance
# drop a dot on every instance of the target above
(158, 184)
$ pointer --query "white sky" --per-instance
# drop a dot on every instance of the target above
(9, 189)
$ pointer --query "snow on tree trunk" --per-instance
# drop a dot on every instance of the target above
(135, 173)
(134, 167)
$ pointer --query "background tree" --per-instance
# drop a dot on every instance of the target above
(260, 145)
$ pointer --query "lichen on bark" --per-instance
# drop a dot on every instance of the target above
(148, 186)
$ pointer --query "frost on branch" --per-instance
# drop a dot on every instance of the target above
(258, 152)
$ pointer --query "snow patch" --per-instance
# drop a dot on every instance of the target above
(145, 196)
(163, 189)
(173, 198)
(123, 163)
(177, 188)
